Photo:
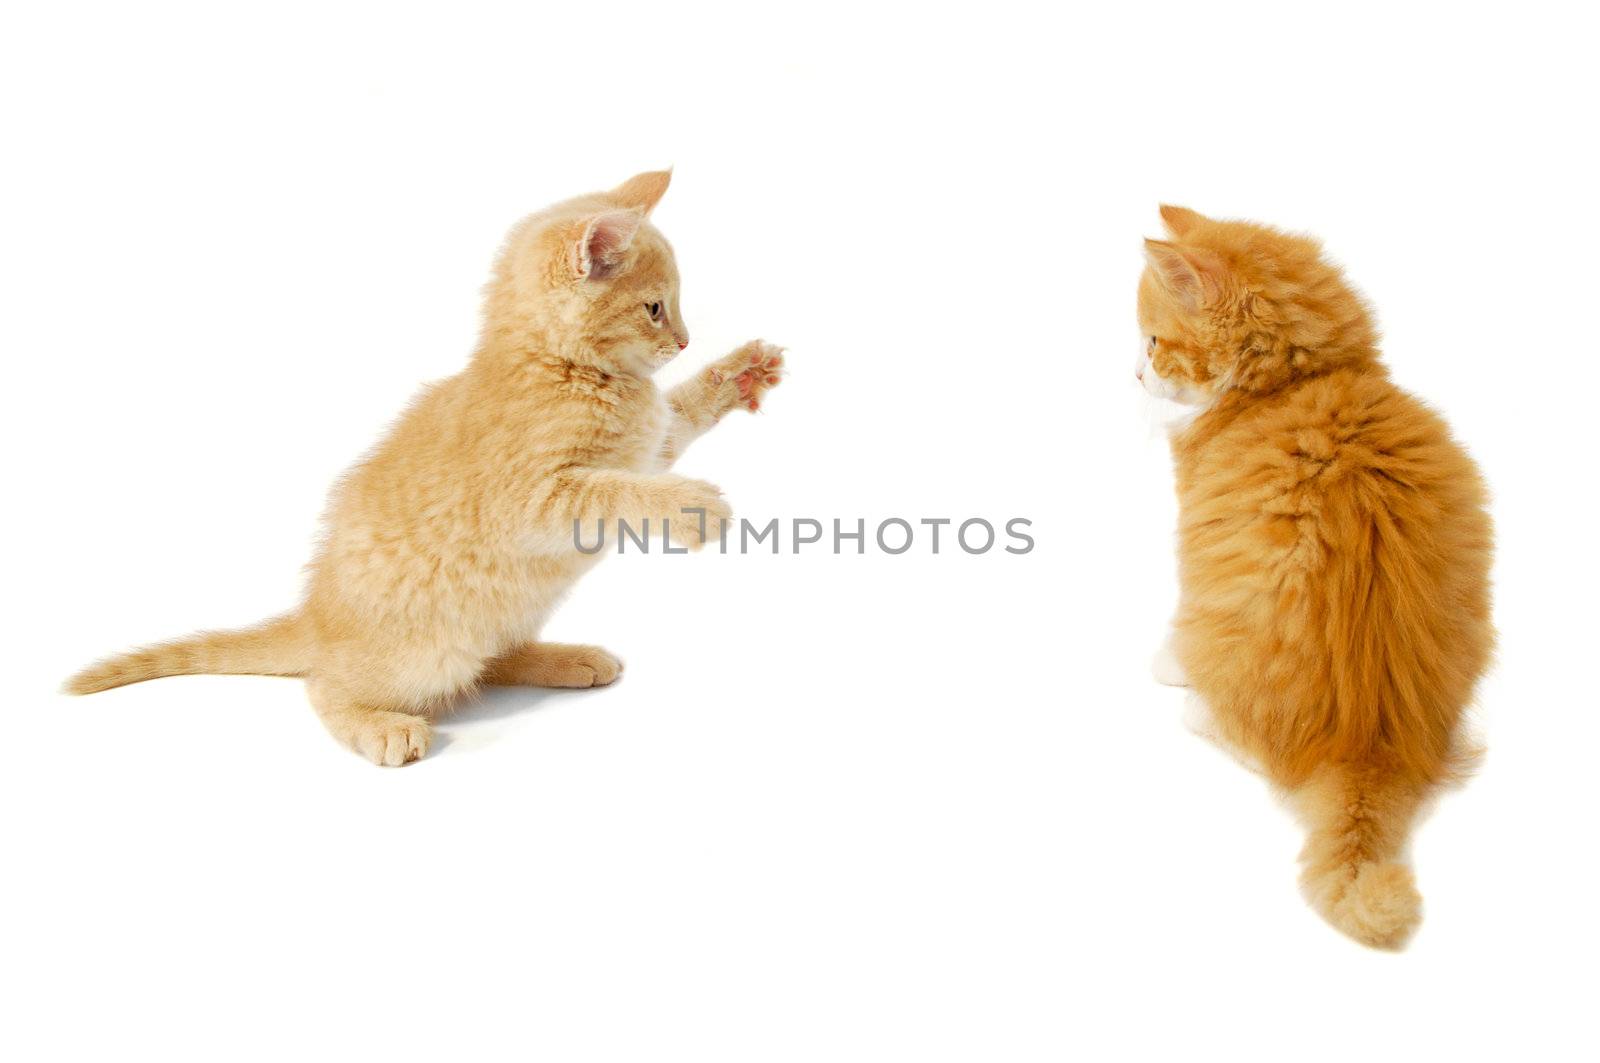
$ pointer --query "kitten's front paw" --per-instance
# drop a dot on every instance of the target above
(745, 376)
(689, 526)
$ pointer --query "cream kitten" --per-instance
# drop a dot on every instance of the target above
(448, 547)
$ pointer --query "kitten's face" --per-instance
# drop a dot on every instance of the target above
(1230, 305)
(1173, 362)
(630, 309)
(1181, 294)
(593, 280)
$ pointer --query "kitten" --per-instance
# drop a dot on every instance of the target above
(1333, 552)
(449, 545)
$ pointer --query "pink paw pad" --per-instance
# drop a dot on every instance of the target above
(762, 374)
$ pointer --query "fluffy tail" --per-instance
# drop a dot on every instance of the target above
(1359, 816)
(276, 647)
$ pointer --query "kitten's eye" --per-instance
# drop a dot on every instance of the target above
(1152, 343)
(655, 311)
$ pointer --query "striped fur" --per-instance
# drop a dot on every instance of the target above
(1333, 545)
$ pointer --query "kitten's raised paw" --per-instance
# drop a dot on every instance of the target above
(391, 739)
(749, 372)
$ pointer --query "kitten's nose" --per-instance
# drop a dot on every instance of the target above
(682, 344)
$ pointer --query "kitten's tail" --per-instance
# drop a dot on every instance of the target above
(1359, 815)
(277, 647)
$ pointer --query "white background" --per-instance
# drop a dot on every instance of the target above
(867, 808)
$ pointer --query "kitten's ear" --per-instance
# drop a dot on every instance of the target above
(643, 192)
(1195, 277)
(1180, 219)
(598, 251)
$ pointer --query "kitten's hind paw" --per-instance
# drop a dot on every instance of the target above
(391, 739)
(1198, 719)
(554, 664)
(1166, 669)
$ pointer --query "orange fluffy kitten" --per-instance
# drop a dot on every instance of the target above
(1333, 552)
(447, 548)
